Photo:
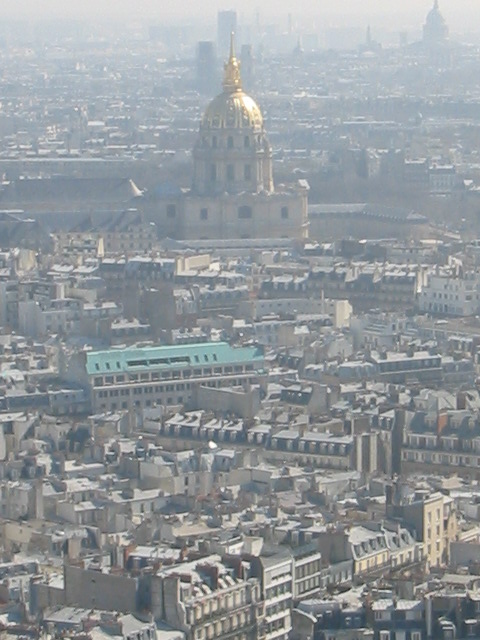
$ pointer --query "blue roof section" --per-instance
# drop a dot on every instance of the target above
(169, 357)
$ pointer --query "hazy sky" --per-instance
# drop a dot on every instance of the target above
(461, 14)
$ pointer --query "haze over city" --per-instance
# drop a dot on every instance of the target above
(459, 13)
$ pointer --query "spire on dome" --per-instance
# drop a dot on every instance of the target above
(231, 78)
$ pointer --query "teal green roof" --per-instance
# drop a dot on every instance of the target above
(169, 357)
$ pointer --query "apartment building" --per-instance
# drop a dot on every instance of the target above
(444, 442)
(275, 572)
(393, 366)
(369, 550)
(433, 518)
(307, 562)
(208, 599)
(398, 619)
(375, 548)
(323, 449)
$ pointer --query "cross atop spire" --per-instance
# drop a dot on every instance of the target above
(231, 79)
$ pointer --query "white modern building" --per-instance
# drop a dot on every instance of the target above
(450, 295)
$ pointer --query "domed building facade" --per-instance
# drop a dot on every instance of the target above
(435, 30)
(233, 193)
(232, 154)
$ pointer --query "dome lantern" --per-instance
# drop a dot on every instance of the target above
(232, 80)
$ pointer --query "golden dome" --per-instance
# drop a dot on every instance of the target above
(233, 109)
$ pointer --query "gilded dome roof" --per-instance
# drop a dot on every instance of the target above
(232, 109)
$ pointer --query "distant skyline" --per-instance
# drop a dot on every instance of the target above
(461, 14)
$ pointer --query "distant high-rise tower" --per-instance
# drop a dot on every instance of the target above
(226, 25)
(207, 73)
(435, 30)
(248, 66)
